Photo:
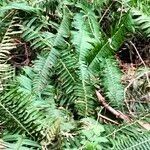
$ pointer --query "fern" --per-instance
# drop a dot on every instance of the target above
(28, 118)
(142, 21)
(81, 40)
(13, 142)
(22, 107)
(16, 110)
(52, 101)
(128, 135)
(111, 80)
(92, 21)
(31, 34)
(133, 143)
(40, 80)
(112, 44)
(19, 6)
(67, 77)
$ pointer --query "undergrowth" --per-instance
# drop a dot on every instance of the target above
(63, 82)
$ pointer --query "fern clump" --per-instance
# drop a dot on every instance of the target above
(61, 80)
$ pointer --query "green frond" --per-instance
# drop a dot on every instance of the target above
(67, 77)
(81, 40)
(92, 21)
(106, 66)
(23, 113)
(40, 80)
(13, 142)
(111, 81)
(129, 135)
(142, 21)
(137, 142)
(108, 49)
(113, 43)
(19, 6)
(14, 105)
(55, 119)
(32, 33)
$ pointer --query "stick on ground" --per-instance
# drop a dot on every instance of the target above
(118, 114)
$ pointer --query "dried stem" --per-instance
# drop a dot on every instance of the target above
(105, 12)
(108, 119)
(118, 114)
(141, 61)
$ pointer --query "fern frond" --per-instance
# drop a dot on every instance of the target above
(140, 142)
(142, 21)
(66, 75)
(32, 33)
(92, 21)
(111, 81)
(19, 6)
(112, 44)
(81, 40)
(54, 119)
(108, 49)
(16, 141)
(106, 66)
(25, 117)
(40, 80)
(128, 135)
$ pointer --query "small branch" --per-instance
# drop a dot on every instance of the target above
(118, 114)
(141, 61)
(105, 12)
(11, 12)
(121, 13)
(108, 119)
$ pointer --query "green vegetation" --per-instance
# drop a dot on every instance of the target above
(65, 81)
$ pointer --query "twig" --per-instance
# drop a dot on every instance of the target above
(118, 114)
(105, 12)
(108, 119)
(7, 15)
(121, 13)
(141, 61)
